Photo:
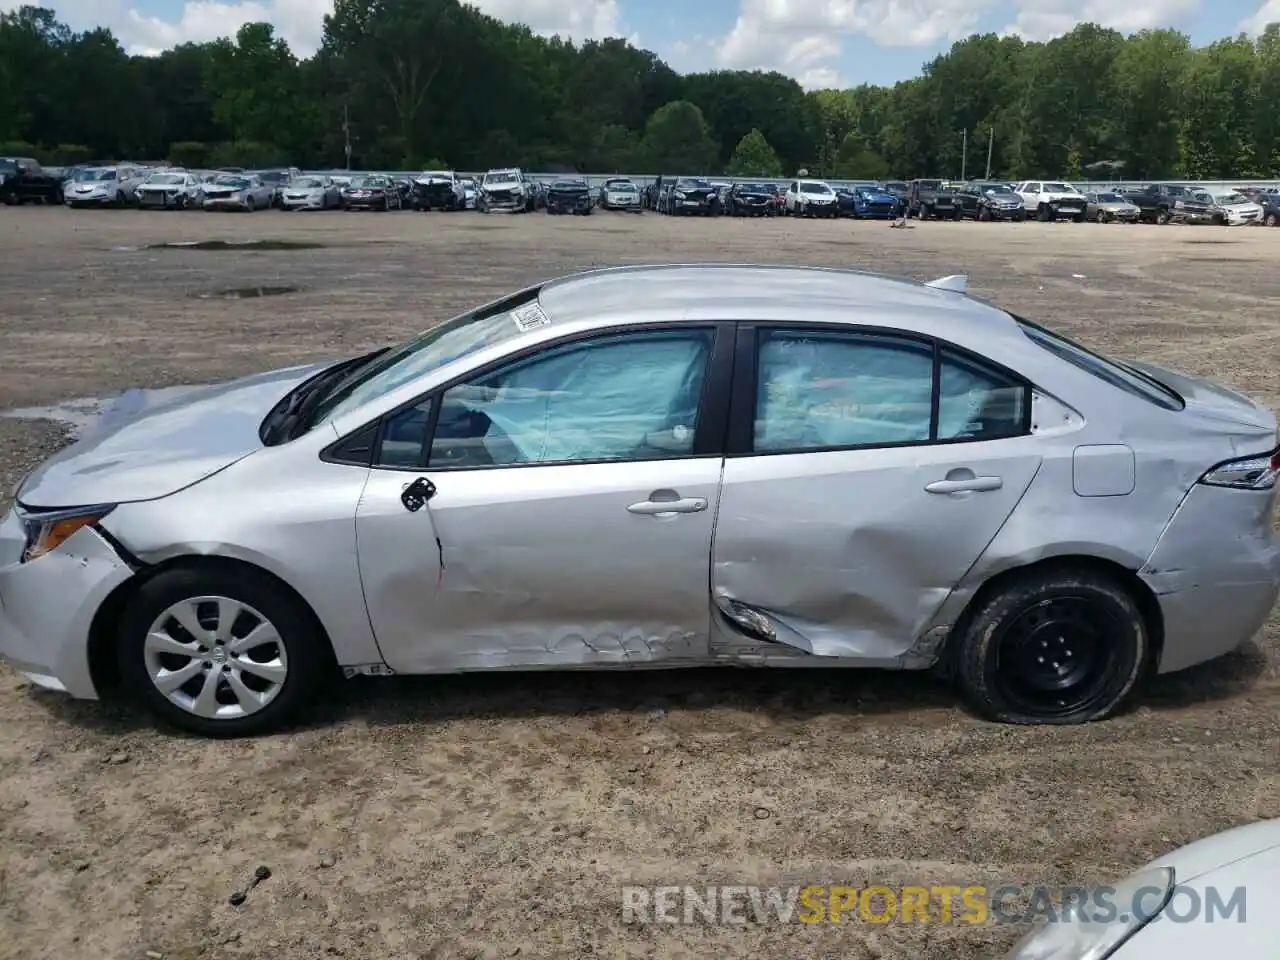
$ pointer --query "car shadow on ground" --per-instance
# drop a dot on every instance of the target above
(786, 694)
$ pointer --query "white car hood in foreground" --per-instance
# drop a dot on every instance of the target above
(1247, 857)
(150, 444)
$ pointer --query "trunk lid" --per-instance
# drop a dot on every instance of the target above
(1251, 425)
(151, 443)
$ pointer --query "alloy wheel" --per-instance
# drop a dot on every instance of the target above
(215, 657)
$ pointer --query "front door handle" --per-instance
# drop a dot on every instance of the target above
(972, 484)
(658, 508)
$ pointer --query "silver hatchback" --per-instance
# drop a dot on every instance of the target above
(658, 467)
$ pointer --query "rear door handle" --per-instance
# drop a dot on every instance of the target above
(653, 508)
(973, 484)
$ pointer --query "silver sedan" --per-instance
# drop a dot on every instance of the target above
(237, 191)
(311, 193)
(634, 468)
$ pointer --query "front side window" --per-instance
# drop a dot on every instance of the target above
(823, 390)
(626, 397)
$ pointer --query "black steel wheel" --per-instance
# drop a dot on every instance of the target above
(1058, 647)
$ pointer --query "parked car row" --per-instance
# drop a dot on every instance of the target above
(510, 189)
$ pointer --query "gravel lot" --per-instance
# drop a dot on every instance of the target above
(496, 816)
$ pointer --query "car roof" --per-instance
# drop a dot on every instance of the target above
(783, 294)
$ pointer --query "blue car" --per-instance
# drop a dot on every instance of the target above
(872, 203)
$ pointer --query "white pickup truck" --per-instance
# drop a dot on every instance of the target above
(1052, 200)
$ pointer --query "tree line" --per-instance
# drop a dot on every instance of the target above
(413, 84)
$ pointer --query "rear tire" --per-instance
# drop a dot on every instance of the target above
(1055, 647)
(307, 657)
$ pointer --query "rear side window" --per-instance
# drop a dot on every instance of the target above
(822, 390)
(1109, 371)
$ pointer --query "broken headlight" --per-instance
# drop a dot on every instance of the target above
(47, 530)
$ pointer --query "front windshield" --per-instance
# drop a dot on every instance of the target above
(87, 176)
(569, 184)
(995, 190)
(501, 176)
(166, 178)
(369, 182)
(1111, 198)
(752, 188)
(8, 166)
(307, 183)
(430, 350)
(1231, 198)
(274, 176)
(1059, 188)
(240, 183)
(818, 188)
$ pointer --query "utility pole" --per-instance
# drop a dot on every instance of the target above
(346, 134)
(964, 152)
(991, 142)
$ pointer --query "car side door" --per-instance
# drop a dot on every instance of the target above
(866, 471)
(554, 509)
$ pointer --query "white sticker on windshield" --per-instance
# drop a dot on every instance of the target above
(529, 317)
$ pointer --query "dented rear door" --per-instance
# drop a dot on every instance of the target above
(850, 552)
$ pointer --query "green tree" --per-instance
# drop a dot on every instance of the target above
(753, 157)
(678, 140)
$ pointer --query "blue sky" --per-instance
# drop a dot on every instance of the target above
(819, 42)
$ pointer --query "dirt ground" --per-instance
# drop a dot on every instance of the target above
(500, 816)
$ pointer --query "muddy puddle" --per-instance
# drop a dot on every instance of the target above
(247, 293)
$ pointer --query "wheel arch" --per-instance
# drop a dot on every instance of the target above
(1118, 573)
(104, 668)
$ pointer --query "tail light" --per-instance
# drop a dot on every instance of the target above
(1258, 472)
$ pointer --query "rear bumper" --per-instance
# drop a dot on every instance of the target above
(47, 607)
(1215, 572)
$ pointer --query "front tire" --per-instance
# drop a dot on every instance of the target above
(1057, 647)
(221, 652)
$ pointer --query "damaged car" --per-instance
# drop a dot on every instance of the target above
(751, 200)
(569, 195)
(1107, 206)
(438, 190)
(375, 192)
(311, 193)
(237, 191)
(618, 193)
(656, 466)
(170, 190)
(691, 196)
(104, 187)
(505, 190)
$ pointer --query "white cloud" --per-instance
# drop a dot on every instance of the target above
(803, 38)
(300, 21)
(1269, 12)
(579, 19)
(1046, 19)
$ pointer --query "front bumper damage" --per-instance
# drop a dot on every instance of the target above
(226, 203)
(161, 199)
(505, 200)
(47, 606)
